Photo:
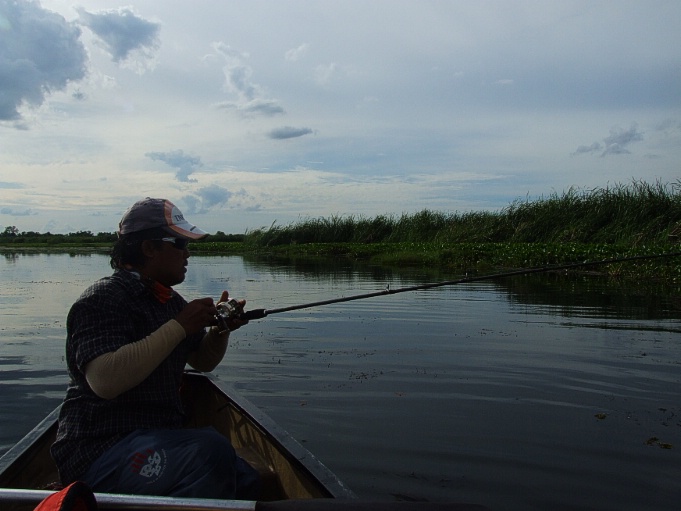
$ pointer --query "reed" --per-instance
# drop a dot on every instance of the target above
(632, 214)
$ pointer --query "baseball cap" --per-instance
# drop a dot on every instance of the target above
(158, 213)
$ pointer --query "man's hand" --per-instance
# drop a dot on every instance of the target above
(197, 315)
(234, 323)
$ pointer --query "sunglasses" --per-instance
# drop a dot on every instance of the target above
(178, 243)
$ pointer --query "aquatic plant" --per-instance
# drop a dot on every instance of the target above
(628, 214)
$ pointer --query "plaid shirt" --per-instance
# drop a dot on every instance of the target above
(115, 311)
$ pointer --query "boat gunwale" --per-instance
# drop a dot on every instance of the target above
(23, 449)
(277, 435)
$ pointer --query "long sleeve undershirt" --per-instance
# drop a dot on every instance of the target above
(113, 373)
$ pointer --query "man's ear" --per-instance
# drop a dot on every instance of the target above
(149, 249)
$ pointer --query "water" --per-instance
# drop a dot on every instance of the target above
(537, 392)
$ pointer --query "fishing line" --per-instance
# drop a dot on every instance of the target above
(230, 308)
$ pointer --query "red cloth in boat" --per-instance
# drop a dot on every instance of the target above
(75, 497)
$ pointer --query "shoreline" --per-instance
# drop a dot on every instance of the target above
(462, 258)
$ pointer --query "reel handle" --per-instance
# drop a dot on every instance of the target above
(253, 314)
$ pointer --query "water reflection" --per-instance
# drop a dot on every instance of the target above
(336, 269)
(536, 392)
(595, 296)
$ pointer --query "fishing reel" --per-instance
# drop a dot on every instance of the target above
(231, 309)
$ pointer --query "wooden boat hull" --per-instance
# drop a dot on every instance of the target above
(288, 470)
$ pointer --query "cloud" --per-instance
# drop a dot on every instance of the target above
(615, 149)
(668, 125)
(40, 52)
(619, 139)
(584, 149)
(237, 74)
(16, 212)
(324, 73)
(615, 143)
(193, 205)
(185, 163)
(295, 54)
(266, 107)
(8, 185)
(288, 132)
(238, 80)
(122, 32)
(212, 196)
(207, 198)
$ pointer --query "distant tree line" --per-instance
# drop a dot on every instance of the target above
(11, 234)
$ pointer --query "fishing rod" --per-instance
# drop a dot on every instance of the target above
(231, 308)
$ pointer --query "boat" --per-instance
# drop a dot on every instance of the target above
(288, 470)
(293, 479)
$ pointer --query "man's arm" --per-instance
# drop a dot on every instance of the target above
(211, 350)
(113, 373)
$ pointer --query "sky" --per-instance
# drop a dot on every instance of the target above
(248, 114)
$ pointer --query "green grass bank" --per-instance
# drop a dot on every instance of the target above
(577, 225)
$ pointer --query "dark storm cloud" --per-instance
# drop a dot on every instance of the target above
(184, 163)
(40, 52)
(616, 143)
(122, 31)
(288, 132)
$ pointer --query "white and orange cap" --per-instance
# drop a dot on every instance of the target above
(158, 214)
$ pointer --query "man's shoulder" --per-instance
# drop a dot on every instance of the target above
(112, 286)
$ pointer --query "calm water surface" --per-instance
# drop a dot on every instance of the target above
(539, 392)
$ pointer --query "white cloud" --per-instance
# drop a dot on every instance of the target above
(237, 73)
(251, 98)
(296, 54)
(324, 73)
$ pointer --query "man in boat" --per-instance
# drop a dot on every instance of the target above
(129, 338)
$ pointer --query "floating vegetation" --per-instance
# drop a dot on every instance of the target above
(579, 225)
(656, 441)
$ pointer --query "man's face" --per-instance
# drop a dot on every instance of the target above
(166, 262)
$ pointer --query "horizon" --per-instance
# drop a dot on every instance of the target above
(639, 188)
